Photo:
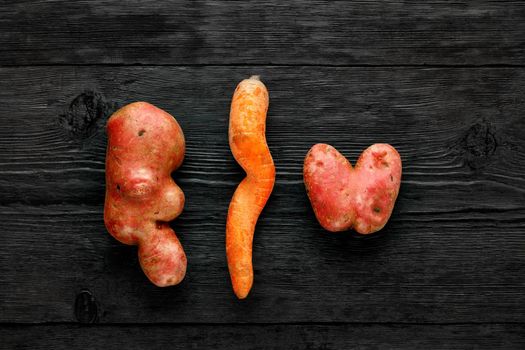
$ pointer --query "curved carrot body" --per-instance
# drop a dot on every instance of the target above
(248, 145)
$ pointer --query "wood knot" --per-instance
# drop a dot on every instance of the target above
(86, 310)
(87, 113)
(478, 144)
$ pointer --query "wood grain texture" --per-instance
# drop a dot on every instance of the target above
(446, 272)
(454, 250)
(252, 337)
(263, 32)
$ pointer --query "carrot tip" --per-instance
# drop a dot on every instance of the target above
(256, 77)
(241, 294)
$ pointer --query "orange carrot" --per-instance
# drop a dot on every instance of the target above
(248, 145)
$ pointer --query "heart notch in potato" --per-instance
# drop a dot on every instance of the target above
(345, 197)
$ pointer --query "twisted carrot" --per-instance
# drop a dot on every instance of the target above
(248, 145)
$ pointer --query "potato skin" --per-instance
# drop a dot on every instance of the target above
(145, 145)
(344, 197)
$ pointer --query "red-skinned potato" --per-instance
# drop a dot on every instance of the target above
(145, 145)
(360, 197)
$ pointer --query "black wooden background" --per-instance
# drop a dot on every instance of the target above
(442, 82)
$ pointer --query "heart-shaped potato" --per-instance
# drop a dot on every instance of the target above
(360, 197)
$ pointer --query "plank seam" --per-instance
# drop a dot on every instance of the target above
(199, 65)
(261, 324)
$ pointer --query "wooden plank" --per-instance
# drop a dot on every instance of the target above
(263, 32)
(454, 250)
(449, 337)
(420, 270)
(459, 131)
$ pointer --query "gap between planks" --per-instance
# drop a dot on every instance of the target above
(240, 65)
(250, 324)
